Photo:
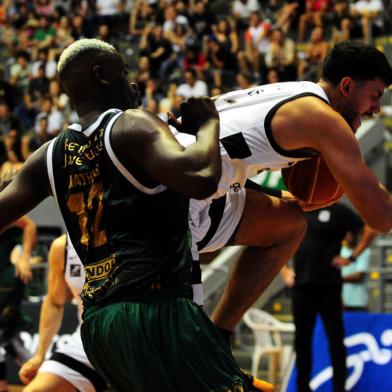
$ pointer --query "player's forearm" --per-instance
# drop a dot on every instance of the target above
(50, 321)
(367, 237)
(206, 163)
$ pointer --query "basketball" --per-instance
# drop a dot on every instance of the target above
(312, 182)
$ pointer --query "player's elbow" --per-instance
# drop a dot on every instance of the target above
(382, 225)
(207, 185)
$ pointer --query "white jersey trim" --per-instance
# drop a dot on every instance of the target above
(121, 168)
(49, 165)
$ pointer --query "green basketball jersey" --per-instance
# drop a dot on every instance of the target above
(131, 238)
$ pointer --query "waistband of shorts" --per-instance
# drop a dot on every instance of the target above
(151, 295)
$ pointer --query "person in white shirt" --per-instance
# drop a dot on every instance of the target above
(192, 87)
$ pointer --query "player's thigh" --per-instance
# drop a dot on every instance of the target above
(266, 220)
(48, 382)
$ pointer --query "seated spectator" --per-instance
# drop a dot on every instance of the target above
(35, 139)
(341, 21)
(309, 67)
(155, 46)
(9, 124)
(105, 34)
(195, 58)
(26, 111)
(244, 81)
(314, 13)
(281, 55)
(13, 158)
(79, 29)
(55, 117)
(287, 14)
(63, 37)
(152, 92)
(368, 14)
(256, 44)
(143, 73)
(201, 19)
(44, 7)
(44, 34)
(242, 10)
(20, 73)
(192, 87)
(43, 59)
(222, 63)
(39, 85)
(59, 98)
(7, 91)
(226, 35)
(141, 14)
(273, 76)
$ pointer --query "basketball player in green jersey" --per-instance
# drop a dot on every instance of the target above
(122, 183)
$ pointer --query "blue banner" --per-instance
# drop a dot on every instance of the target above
(368, 340)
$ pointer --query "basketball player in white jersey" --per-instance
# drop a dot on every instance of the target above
(68, 369)
(271, 127)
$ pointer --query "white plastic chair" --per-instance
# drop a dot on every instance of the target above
(267, 331)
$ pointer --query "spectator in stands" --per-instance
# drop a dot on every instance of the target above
(192, 86)
(35, 139)
(44, 34)
(309, 67)
(368, 13)
(59, 98)
(39, 85)
(242, 10)
(201, 19)
(49, 64)
(195, 58)
(26, 111)
(314, 13)
(7, 91)
(141, 14)
(341, 21)
(107, 11)
(244, 81)
(223, 63)
(143, 73)
(55, 117)
(226, 35)
(273, 76)
(44, 7)
(355, 293)
(152, 92)
(63, 37)
(9, 124)
(286, 15)
(281, 55)
(256, 44)
(79, 28)
(13, 157)
(20, 73)
(155, 46)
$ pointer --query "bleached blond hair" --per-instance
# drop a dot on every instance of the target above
(80, 46)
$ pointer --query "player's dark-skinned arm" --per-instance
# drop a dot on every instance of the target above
(355, 277)
(51, 311)
(320, 128)
(194, 170)
(26, 190)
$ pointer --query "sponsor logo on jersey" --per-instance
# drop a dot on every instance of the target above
(75, 270)
(100, 270)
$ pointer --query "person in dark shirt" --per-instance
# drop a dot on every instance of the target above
(317, 287)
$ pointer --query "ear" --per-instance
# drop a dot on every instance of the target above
(346, 85)
(98, 74)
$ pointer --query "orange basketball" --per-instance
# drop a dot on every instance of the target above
(312, 182)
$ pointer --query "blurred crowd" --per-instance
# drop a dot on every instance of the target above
(176, 49)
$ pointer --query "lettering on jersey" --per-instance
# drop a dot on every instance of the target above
(255, 92)
(236, 146)
(95, 291)
(80, 179)
(236, 187)
(75, 270)
(77, 154)
(100, 270)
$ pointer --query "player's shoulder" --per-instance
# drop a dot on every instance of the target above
(59, 243)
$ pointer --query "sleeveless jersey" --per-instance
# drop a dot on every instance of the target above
(246, 140)
(131, 238)
(74, 274)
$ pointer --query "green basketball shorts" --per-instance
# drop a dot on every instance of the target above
(160, 344)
